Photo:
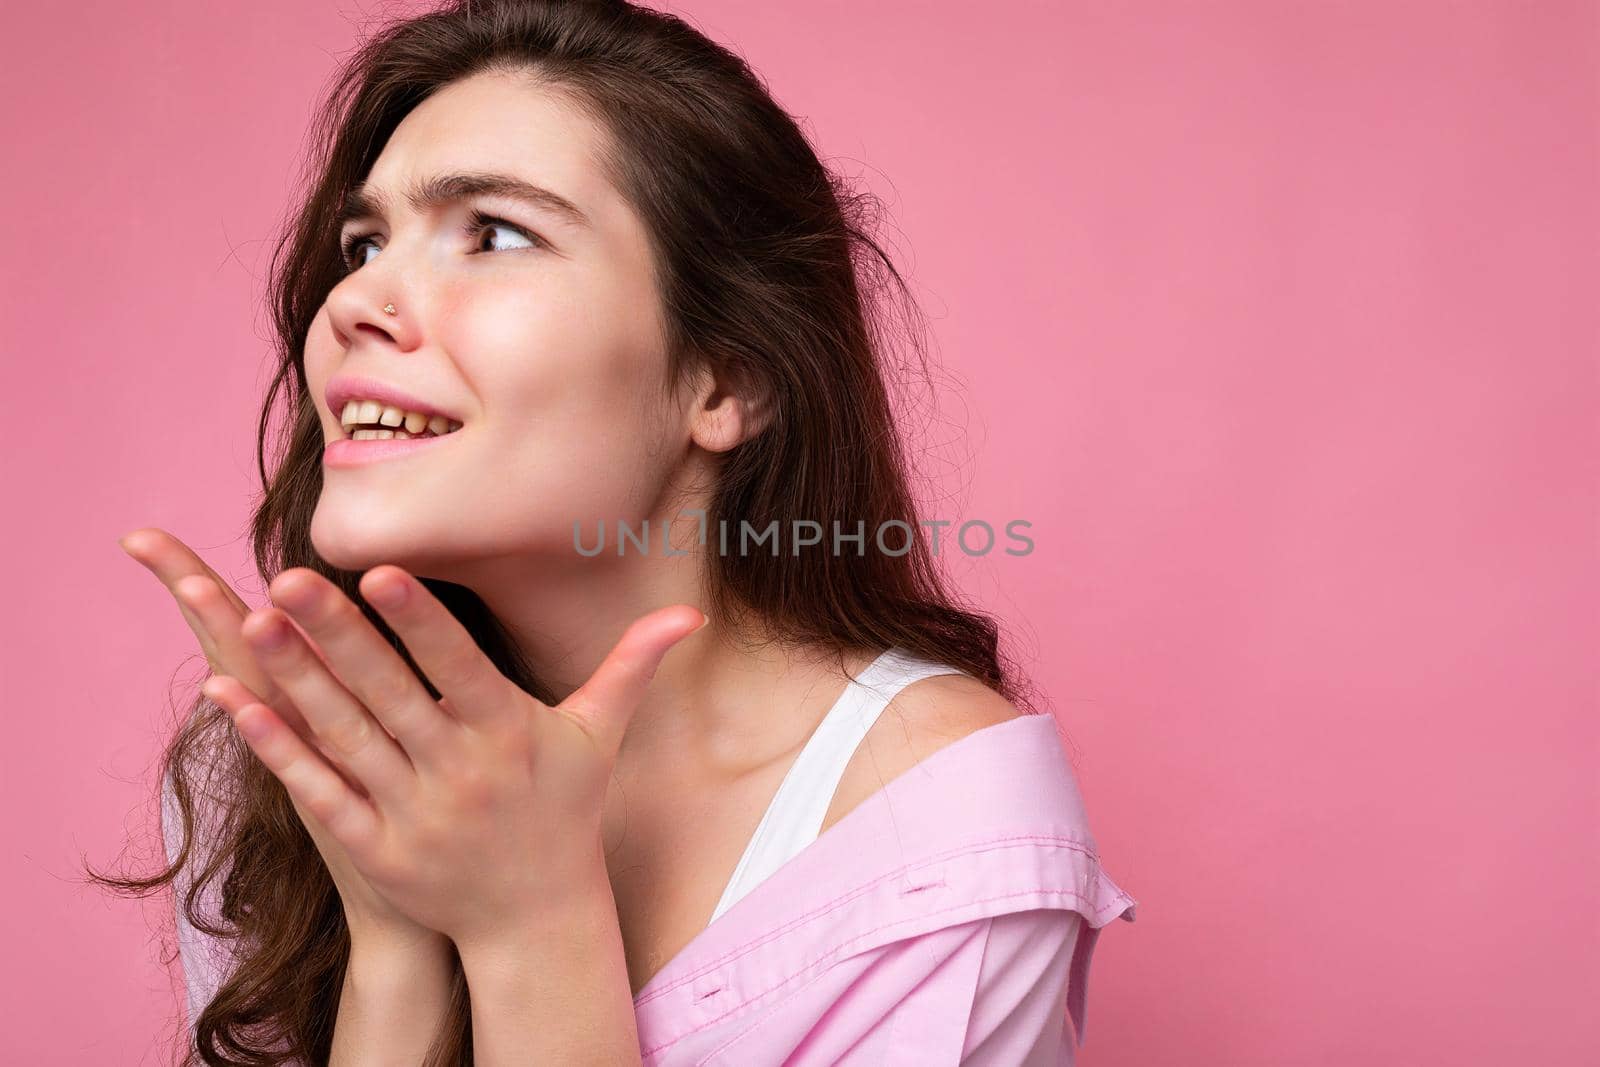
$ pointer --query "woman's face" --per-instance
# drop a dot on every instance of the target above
(541, 334)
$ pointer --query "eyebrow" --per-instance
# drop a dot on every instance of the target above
(365, 202)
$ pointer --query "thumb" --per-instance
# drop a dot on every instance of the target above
(607, 701)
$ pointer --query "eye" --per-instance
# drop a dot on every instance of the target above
(348, 249)
(477, 224)
(481, 222)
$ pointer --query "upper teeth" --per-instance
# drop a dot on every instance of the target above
(366, 412)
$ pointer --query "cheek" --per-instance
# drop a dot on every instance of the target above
(321, 359)
(581, 439)
(551, 345)
(320, 347)
(537, 332)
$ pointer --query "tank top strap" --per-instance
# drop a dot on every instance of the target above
(794, 817)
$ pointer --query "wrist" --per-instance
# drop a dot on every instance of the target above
(380, 976)
(552, 987)
(394, 999)
(582, 911)
(420, 952)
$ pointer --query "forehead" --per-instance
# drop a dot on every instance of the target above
(503, 123)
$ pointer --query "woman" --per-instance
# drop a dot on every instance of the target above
(470, 790)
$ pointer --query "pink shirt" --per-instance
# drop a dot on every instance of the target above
(948, 919)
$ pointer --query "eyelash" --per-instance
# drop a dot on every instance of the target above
(476, 223)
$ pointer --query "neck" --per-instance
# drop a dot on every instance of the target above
(730, 696)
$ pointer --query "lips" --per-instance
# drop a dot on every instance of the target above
(346, 452)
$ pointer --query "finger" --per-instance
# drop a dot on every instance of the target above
(607, 701)
(443, 649)
(232, 694)
(169, 559)
(342, 726)
(202, 632)
(364, 661)
(313, 785)
(215, 617)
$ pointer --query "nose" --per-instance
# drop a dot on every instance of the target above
(368, 304)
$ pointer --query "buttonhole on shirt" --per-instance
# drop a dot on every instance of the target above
(919, 888)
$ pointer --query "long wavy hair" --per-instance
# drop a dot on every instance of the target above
(769, 274)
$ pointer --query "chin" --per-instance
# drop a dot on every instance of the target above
(359, 546)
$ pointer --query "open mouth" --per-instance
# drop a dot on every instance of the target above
(371, 420)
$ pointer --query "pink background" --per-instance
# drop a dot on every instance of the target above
(1271, 318)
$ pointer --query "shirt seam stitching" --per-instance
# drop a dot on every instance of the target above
(984, 845)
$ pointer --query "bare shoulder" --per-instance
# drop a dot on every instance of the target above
(923, 717)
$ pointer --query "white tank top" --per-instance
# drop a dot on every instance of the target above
(794, 818)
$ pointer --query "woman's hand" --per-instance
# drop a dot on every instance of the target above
(216, 613)
(476, 814)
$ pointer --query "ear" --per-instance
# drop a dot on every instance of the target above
(725, 413)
